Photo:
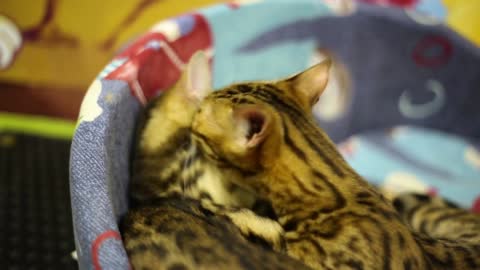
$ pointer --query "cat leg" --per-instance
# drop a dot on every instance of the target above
(250, 224)
(437, 217)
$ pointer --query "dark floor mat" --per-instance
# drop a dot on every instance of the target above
(35, 214)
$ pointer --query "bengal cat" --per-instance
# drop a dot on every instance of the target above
(174, 190)
(166, 164)
(264, 137)
(437, 217)
(178, 234)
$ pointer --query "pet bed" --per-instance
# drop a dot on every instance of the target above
(411, 105)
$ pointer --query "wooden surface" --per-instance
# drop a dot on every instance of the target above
(60, 46)
(23, 99)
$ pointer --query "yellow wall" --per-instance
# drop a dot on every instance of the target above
(463, 16)
(72, 47)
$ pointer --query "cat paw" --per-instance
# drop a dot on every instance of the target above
(250, 224)
(405, 202)
(265, 229)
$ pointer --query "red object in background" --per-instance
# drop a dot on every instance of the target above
(233, 5)
(397, 3)
(28, 99)
(432, 192)
(476, 205)
(403, 3)
(347, 148)
(148, 68)
(432, 51)
(155, 64)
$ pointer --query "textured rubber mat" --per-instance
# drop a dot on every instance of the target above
(35, 214)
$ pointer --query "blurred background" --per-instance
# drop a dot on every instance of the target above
(51, 50)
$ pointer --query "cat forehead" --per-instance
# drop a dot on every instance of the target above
(237, 92)
(273, 95)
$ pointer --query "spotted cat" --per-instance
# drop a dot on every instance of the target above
(178, 233)
(166, 164)
(437, 217)
(264, 137)
(176, 193)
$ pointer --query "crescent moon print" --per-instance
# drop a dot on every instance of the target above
(422, 18)
(420, 111)
(341, 7)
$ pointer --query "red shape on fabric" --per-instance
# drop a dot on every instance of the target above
(347, 148)
(140, 43)
(403, 3)
(375, 2)
(150, 69)
(152, 74)
(233, 5)
(200, 38)
(421, 49)
(396, 3)
(476, 205)
(97, 243)
(432, 191)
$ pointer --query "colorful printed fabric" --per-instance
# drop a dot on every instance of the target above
(402, 71)
(418, 159)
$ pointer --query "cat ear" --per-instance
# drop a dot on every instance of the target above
(308, 85)
(253, 125)
(198, 77)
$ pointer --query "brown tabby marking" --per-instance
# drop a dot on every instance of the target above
(178, 232)
(437, 217)
(165, 168)
(167, 164)
(264, 137)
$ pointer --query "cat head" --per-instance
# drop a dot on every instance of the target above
(175, 107)
(243, 125)
(194, 85)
